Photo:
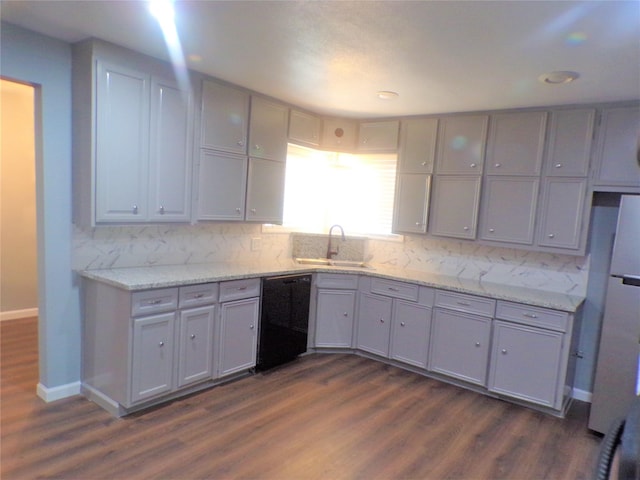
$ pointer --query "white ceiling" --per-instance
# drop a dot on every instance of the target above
(333, 56)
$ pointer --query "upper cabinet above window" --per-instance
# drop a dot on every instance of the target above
(225, 118)
(304, 128)
(268, 129)
(378, 136)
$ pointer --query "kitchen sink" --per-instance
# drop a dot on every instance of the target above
(325, 262)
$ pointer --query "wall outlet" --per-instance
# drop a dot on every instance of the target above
(256, 244)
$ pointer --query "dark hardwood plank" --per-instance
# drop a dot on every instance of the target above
(320, 417)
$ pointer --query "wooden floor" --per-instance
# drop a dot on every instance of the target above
(321, 417)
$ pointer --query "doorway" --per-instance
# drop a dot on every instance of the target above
(18, 223)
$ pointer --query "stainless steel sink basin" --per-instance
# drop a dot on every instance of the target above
(325, 262)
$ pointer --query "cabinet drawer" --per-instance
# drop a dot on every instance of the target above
(465, 303)
(536, 316)
(237, 289)
(337, 281)
(196, 295)
(154, 301)
(394, 289)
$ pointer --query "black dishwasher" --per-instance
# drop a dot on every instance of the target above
(284, 319)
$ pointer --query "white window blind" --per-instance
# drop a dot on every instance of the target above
(353, 190)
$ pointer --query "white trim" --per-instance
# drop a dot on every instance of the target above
(56, 393)
(582, 395)
(15, 314)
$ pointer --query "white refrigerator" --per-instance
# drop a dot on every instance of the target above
(617, 370)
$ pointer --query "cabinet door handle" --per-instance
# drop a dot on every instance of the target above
(477, 344)
(530, 315)
(253, 210)
(345, 314)
(240, 143)
(465, 228)
(193, 335)
(498, 165)
(161, 344)
(473, 165)
(551, 235)
(381, 320)
(504, 351)
(402, 324)
(558, 165)
(491, 230)
(135, 209)
(238, 210)
(161, 210)
(424, 164)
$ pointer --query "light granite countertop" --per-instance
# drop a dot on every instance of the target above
(161, 276)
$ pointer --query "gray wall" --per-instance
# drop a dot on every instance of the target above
(46, 63)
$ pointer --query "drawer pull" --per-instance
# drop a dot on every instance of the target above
(198, 295)
(530, 315)
(463, 304)
(157, 301)
(241, 289)
(394, 289)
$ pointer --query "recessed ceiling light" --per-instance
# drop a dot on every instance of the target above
(387, 95)
(558, 78)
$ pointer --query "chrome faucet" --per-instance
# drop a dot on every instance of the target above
(330, 251)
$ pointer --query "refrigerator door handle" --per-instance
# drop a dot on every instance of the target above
(632, 280)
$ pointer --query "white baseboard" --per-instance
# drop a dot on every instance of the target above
(56, 393)
(582, 395)
(15, 314)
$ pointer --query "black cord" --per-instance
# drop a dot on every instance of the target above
(607, 448)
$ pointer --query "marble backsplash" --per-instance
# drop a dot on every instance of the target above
(133, 246)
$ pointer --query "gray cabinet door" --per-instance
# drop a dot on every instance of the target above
(410, 333)
(569, 145)
(222, 185)
(561, 211)
(618, 144)
(265, 191)
(334, 318)
(417, 145)
(268, 130)
(374, 324)
(461, 144)
(122, 144)
(516, 143)
(454, 206)
(508, 210)
(378, 136)
(170, 155)
(152, 364)
(195, 360)
(304, 128)
(225, 118)
(238, 340)
(411, 205)
(525, 363)
(459, 345)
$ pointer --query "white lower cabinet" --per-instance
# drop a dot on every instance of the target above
(335, 307)
(195, 354)
(525, 362)
(410, 333)
(460, 345)
(239, 316)
(374, 324)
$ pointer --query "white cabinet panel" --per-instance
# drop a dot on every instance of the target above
(569, 145)
(195, 357)
(334, 318)
(304, 128)
(454, 206)
(374, 324)
(122, 143)
(516, 143)
(411, 205)
(222, 185)
(417, 145)
(561, 212)
(461, 144)
(238, 340)
(225, 118)
(378, 136)
(265, 191)
(410, 333)
(268, 130)
(508, 211)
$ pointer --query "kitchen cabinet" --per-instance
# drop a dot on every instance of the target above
(461, 144)
(417, 145)
(410, 333)
(530, 358)
(225, 118)
(460, 336)
(562, 214)
(509, 208)
(339, 135)
(374, 324)
(516, 143)
(195, 355)
(268, 129)
(569, 144)
(411, 206)
(336, 300)
(239, 316)
(454, 206)
(222, 186)
(304, 128)
(376, 137)
(265, 191)
(617, 162)
(132, 138)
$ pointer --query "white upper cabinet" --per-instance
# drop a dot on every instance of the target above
(454, 206)
(618, 150)
(378, 136)
(304, 128)
(225, 118)
(265, 191)
(268, 129)
(461, 144)
(569, 145)
(417, 145)
(122, 143)
(222, 186)
(516, 143)
(339, 134)
(170, 153)
(411, 206)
